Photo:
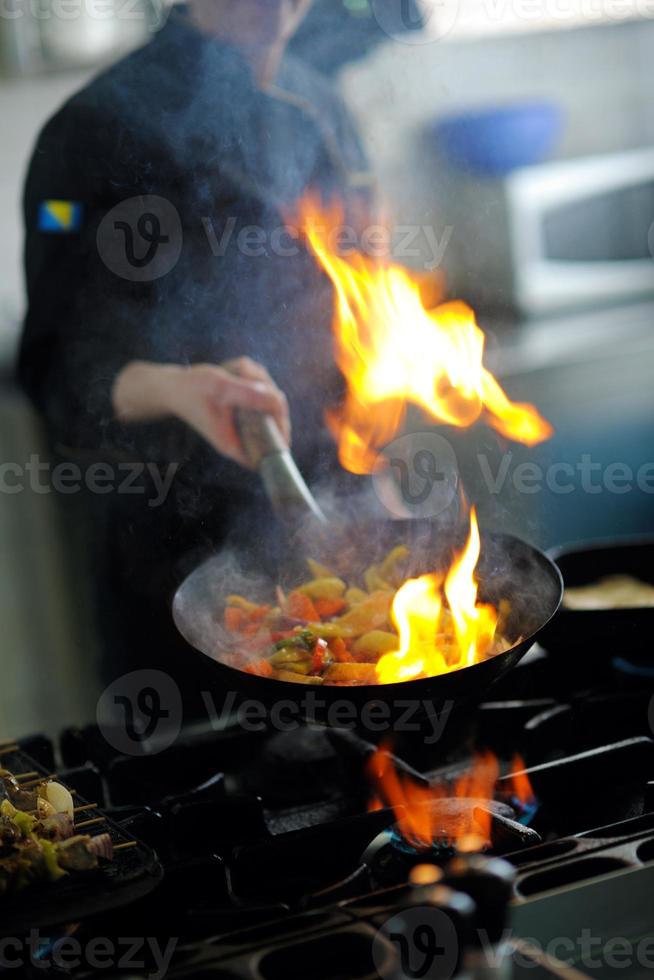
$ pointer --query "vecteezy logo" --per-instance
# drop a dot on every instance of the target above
(416, 21)
(425, 945)
(141, 711)
(149, 227)
(416, 475)
(141, 239)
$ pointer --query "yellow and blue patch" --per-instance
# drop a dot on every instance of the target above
(60, 217)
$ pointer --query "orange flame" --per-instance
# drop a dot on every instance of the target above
(393, 352)
(450, 814)
(422, 615)
(519, 782)
(474, 623)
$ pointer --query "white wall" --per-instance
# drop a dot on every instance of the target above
(600, 76)
(25, 104)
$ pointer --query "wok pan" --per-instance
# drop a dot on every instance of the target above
(591, 634)
(508, 568)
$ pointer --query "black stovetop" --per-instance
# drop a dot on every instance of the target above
(265, 836)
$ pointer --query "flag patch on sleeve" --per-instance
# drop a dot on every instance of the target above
(60, 217)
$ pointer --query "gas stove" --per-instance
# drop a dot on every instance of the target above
(275, 865)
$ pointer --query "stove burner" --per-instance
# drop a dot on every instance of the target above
(391, 858)
(272, 858)
(636, 668)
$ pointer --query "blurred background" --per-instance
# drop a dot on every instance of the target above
(514, 144)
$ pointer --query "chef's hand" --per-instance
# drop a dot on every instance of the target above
(204, 396)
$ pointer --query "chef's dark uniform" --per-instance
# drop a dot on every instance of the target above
(201, 167)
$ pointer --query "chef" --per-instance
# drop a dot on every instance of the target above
(165, 291)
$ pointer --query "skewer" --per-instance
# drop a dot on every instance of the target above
(89, 823)
(34, 782)
(8, 749)
(77, 809)
(25, 775)
(124, 847)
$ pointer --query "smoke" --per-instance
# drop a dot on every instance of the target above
(508, 569)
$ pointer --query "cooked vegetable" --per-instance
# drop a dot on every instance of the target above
(318, 570)
(300, 606)
(324, 588)
(389, 568)
(376, 641)
(42, 846)
(326, 608)
(58, 797)
(328, 631)
(355, 595)
(371, 613)
(50, 858)
(289, 675)
(353, 673)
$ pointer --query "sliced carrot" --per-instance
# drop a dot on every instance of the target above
(262, 668)
(256, 615)
(329, 607)
(339, 650)
(233, 618)
(300, 606)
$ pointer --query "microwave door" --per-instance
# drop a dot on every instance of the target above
(582, 231)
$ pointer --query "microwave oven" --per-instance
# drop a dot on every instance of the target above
(557, 236)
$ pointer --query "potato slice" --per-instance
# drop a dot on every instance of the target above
(374, 581)
(289, 675)
(318, 570)
(329, 631)
(288, 655)
(241, 603)
(301, 667)
(376, 641)
(354, 673)
(323, 588)
(368, 615)
(388, 567)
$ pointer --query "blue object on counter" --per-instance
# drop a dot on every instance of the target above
(493, 142)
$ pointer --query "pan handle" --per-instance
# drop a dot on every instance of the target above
(260, 436)
(268, 453)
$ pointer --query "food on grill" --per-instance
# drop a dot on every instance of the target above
(56, 796)
(611, 592)
(327, 631)
(81, 853)
(38, 842)
(45, 796)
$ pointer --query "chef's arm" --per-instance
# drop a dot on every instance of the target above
(106, 360)
(204, 396)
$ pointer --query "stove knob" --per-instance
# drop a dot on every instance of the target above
(489, 882)
(430, 934)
